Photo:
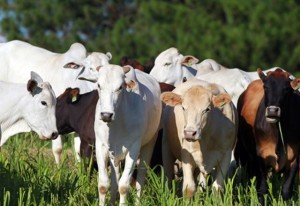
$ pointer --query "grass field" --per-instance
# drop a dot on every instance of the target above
(29, 176)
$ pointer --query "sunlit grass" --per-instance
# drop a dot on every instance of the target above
(29, 176)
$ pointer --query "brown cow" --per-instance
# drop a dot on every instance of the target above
(265, 108)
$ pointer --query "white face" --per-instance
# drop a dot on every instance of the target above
(90, 65)
(39, 113)
(195, 107)
(167, 67)
(110, 83)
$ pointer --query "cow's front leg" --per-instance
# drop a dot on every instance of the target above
(103, 180)
(221, 172)
(188, 167)
(289, 179)
(124, 182)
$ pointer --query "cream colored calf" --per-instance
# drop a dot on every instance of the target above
(201, 132)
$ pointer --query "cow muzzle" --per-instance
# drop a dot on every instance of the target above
(190, 135)
(106, 116)
(54, 135)
(273, 114)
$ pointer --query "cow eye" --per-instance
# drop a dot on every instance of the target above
(119, 89)
(44, 103)
(167, 64)
(99, 86)
(183, 108)
(207, 110)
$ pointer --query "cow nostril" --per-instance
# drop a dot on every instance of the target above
(54, 135)
(189, 133)
(106, 116)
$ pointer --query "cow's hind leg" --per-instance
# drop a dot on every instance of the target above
(77, 142)
(145, 158)
(115, 176)
(57, 149)
(130, 161)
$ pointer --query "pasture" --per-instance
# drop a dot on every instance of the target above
(29, 176)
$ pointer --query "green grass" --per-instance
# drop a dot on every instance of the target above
(29, 176)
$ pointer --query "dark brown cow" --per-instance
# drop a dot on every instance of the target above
(265, 108)
(76, 113)
(137, 65)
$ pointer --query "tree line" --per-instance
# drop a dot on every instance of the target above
(242, 34)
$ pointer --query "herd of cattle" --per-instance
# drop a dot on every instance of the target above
(208, 117)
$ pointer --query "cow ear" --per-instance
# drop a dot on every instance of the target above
(189, 60)
(130, 79)
(221, 100)
(109, 55)
(73, 95)
(261, 74)
(36, 77)
(127, 68)
(295, 84)
(88, 77)
(170, 98)
(33, 83)
(72, 65)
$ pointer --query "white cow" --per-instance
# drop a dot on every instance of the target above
(210, 65)
(201, 132)
(18, 58)
(171, 67)
(25, 108)
(126, 123)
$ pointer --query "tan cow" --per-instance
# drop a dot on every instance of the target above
(200, 131)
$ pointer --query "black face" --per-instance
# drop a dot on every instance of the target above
(276, 87)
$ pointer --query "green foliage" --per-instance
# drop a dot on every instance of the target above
(243, 34)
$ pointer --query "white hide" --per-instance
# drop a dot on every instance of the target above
(23, 111)
(133, 101)
(169, 67)
(18, 58)
(212, 149)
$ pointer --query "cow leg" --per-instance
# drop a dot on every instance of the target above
(168, 159)
(188, 167)
(115, 176)
(103, 181)
(77, 148)
(221, 172)
(87, 153)
(57, 149)
(262, 187)
(289, 179)
(145, 158)
(124, 182)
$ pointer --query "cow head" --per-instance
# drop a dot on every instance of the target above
(112, 82)
(70, 95)
(90, 65)
(171, 67)
(39, 113)
(277, 84)
(195, 105)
